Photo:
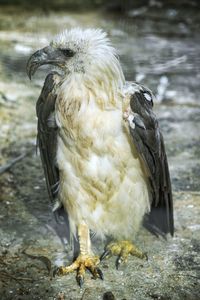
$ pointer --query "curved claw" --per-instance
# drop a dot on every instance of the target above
(100, 273)
(105, 254)
(96, 272)
(118, 262)
(55, 271)
(80, 280)
(146, 256)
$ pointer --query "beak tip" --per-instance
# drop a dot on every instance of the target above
(29, 75)
(40, 57)
(32, 65)
(28, 69)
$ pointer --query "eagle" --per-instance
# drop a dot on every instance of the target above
(101, 148)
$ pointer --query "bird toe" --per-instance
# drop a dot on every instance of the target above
(80, 265)
(122, 249)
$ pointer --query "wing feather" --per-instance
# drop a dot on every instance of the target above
(47, 135)
(149, 143)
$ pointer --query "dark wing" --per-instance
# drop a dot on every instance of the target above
(149, 143)
(47, 135)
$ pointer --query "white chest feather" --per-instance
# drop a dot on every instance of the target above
(102, 183)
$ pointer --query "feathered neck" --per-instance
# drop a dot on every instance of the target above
(102, 85)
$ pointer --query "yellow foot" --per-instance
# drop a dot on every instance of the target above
(122, 250)
(80, 265)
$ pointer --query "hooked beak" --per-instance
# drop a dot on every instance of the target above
(47, 55)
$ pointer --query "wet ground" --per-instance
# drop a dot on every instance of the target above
(159, 48)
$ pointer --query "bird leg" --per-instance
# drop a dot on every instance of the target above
(85, 260)
(122, 250)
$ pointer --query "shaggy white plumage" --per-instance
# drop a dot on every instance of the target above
(102, 183)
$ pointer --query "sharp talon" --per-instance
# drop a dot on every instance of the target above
(105, 254)
(146, 256)
(55, 271)
(94, 272)
(100, 273)
(118, 262)
(80, 280)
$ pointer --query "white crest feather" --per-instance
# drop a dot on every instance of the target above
(94, 57)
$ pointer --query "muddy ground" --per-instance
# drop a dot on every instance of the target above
(159, 48)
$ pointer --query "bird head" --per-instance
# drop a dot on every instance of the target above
(77, 50)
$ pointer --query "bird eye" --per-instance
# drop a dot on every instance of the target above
(67, 52)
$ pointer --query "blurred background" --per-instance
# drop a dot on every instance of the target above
(158, 43)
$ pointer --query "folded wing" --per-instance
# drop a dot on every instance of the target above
(47, 135)
(149, 143)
